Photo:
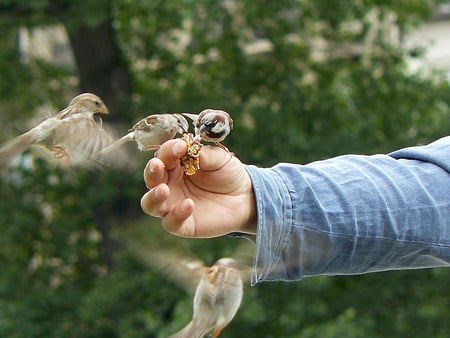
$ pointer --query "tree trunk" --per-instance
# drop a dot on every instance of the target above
(102, 69)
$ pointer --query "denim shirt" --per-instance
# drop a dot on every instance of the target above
(353, 214)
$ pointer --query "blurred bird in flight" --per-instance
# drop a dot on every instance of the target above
(216, 301)
(74, 135)
(218, 288)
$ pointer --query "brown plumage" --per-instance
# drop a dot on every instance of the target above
(74, 134)
(218, 288)
(212, 125)
(216, 301)
(152, 131)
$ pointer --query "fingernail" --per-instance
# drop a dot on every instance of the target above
(185, 206)
(151, 167)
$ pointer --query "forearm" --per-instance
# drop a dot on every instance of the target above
(350, 215)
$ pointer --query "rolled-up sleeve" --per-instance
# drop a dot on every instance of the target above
(353, 214)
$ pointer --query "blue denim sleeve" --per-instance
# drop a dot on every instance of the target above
(353, 214)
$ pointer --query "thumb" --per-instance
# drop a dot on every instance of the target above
(213, 158)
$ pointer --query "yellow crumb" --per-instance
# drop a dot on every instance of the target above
(190, 162)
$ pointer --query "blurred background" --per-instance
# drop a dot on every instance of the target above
(303, 81)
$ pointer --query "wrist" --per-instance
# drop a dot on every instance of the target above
(249, 204)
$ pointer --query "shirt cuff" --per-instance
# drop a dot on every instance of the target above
(272, 236)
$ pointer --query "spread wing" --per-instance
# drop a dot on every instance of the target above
(79, 138)
(15, 147)
(181, 269)
(166, 256)
(82, 139)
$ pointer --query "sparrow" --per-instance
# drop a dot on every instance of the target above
(152, 131)
(218, 288)
(73, 134)
(217, 299)
(212, 125)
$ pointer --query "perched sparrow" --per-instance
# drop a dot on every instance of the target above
(150, 132)
(212, 125)
(73, 134)
(216, 301)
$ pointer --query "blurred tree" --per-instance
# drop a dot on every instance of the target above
(101, 67)
(303, 80)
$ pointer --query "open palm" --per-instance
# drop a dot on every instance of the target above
(217, 200)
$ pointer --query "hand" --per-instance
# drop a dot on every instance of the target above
(215, 201)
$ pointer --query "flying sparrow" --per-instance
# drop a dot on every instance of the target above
(218, 289)
(212, 125)
(216, 300)
(150, 132)
(74, 134)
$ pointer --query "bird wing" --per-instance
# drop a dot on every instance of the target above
(179, 268)
(166, 256)
(81, 137)
(146, 122)
(65, 113)
(15, 147)
(19, 144)
(244, 255)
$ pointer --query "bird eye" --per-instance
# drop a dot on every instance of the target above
(211, 123)
(97, 103)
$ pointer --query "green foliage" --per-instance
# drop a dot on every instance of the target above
(318, 90)
(52, 249)
(48, 261)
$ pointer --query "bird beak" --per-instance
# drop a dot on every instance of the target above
(203, 128)
(102, 110)
(213, 273)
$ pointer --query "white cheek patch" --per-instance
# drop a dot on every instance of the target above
(218, 127)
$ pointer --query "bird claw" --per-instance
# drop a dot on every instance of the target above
(60, 153)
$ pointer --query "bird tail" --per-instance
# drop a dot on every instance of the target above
(193, 117)
(191, 330)
(116, 144)
(13, 148)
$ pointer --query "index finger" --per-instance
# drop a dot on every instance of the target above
(171, 152)
(168, 156)
(154, 173)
